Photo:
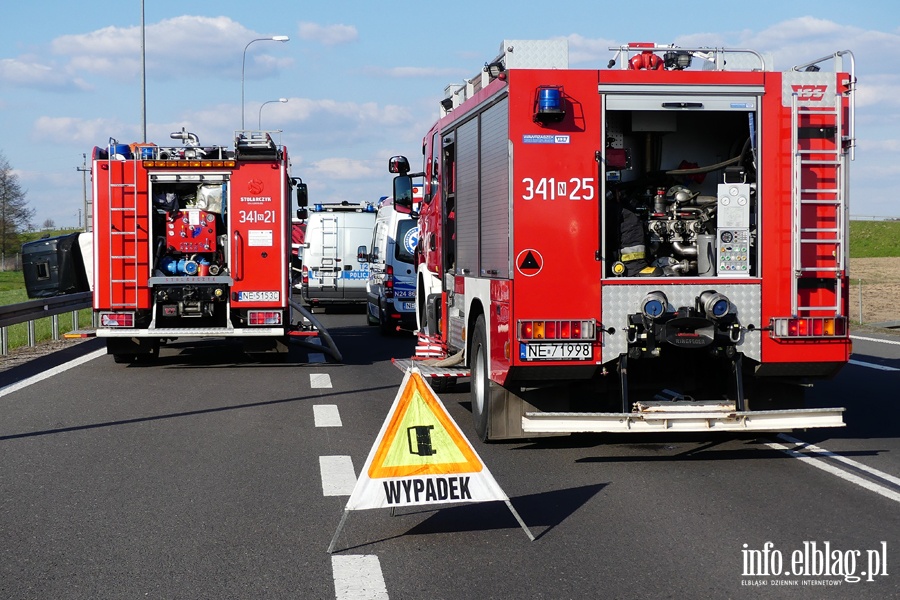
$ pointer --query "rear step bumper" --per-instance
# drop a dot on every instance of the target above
(669, 421)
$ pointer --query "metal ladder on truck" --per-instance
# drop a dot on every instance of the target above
(331, 267)
(819, 196)
(123, 234)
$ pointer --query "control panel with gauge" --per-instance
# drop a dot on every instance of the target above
(733, 231)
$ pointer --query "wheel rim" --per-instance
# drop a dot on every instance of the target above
(479, 380)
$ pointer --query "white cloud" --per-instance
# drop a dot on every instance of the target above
(30, 73)
(343, 168)
(325, 112)
(879, 90)
(82, 132)
(179, 48)
(881, 148)
(329, 35)
(582, 49)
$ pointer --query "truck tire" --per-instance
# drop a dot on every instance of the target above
(124, 359)
(480, 386)
(126, 351)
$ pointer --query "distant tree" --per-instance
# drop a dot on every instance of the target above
(15, 215)
(49, 224)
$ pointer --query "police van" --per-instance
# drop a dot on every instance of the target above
(391, 285)
(331, 273)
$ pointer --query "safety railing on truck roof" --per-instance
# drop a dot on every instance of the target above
(677, 57)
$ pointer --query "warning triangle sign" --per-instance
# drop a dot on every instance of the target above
(530, 262)
(420, 438)
(421, 456)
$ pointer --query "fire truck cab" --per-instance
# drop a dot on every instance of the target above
(660, 245)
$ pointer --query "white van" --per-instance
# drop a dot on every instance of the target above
(331, 273)
(391, 285)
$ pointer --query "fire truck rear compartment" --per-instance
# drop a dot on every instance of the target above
(663, 175)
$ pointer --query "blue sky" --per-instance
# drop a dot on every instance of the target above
(363, 79)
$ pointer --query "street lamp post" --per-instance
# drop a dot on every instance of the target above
(259, 123)
(274, 38)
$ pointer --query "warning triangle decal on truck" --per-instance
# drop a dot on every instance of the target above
(421, 457)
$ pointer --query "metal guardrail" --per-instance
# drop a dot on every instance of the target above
(28, 312)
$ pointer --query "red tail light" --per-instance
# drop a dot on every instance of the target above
(550, 330)
(809, 327)
(264, 317)
(527, 330)
(557, 330)
(117, 319)
(389, 282)
(305, 275)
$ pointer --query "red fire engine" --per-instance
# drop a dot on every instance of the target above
(656, 246)
(194, 241)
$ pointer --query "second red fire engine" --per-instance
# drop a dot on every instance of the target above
(660, 245)
(194, 241)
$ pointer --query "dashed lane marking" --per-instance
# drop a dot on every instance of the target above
(319, 380)
(338, 476)
(358, 577)
(327, 415)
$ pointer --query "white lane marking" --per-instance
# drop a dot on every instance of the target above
(869, 339)
(319, 380)
(819, 463)
(358, 577)
(338, 476)
(860, 363)
(327, 415)
(839, 458)
(13, 387)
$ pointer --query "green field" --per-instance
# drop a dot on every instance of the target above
(874, 239)
(868, 239)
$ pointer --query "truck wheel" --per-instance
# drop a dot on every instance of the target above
(152, 355)
(480, 386)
